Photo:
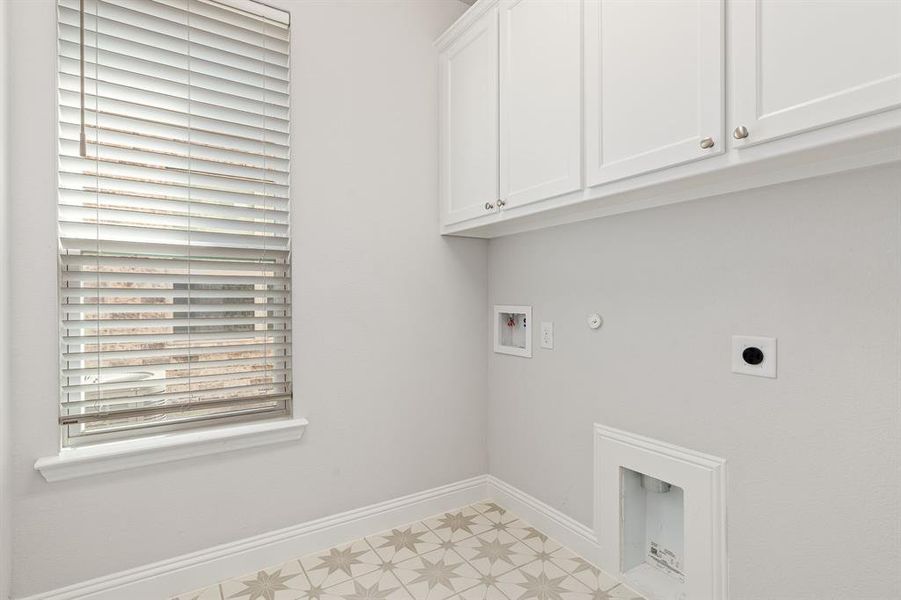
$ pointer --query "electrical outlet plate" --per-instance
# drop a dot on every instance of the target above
(767, 345)
(547, 335)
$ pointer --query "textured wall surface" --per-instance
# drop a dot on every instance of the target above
(389, 318)
(814, 481)
(5, 429)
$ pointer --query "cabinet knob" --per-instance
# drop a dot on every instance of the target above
(501, 203)
(489, 206)
(740, 133)
(707, 142)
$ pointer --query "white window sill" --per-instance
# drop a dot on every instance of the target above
(128, 454)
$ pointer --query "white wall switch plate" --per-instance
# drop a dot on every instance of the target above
(752, 355)
(547, 335)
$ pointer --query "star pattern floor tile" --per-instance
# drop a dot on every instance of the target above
(478, 552)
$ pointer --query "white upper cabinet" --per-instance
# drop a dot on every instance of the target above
(654, 91)
(468, 71)
(540, 100)
(800, 65)
(554, 111)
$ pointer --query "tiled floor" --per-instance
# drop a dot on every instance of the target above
(480, 552)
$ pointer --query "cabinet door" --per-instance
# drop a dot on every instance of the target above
(469, 125)
(653, 85)
(540, 57)
(800, 65)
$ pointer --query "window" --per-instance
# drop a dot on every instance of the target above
(174, 229)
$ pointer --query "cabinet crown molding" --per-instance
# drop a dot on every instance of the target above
(466, 20)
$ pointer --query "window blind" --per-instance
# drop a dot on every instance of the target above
(174, 220)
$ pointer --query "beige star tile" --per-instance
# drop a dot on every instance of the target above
(450, 544)
(620, 592)
(510, 524)
(308, 591)
(210, 593)
(536, 539)
(279, 583)
(540, 580)
(437, 575)
(458, 524)
(494, 552)
(376, 585)
(481, 592)
(318, 593)
(338, 564)
(509, 589)
(536, 544)
(490, 509)
(402, 543)
(570, 562)
(585, 572)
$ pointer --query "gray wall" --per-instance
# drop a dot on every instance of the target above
(814, 481)
(390, 319)
(5, 438)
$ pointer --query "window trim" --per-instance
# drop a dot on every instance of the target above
(111, 456)
(108, 457)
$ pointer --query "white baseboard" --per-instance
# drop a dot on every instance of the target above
(566, 530)
(167, 578)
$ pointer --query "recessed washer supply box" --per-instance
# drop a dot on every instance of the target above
(513, 330)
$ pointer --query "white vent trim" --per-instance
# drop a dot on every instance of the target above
(703, 479)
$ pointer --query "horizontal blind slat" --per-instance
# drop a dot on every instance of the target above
(230, 408)
(263, 395)
(86, 295)
(115, 145)
(108, 111)
(114, 63)
(148, 48)
(193, 14)
(147, 126)
(172, 170)
(145, 338)
(241, 390)
(140, 215)
(175, 365)
(235, 18)
(125, 389)
(157, 235)
(105, 79)
(172, 353)
(132, 183)
(174, 101)
(81, 198)
(176, 31)
(200, 265)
